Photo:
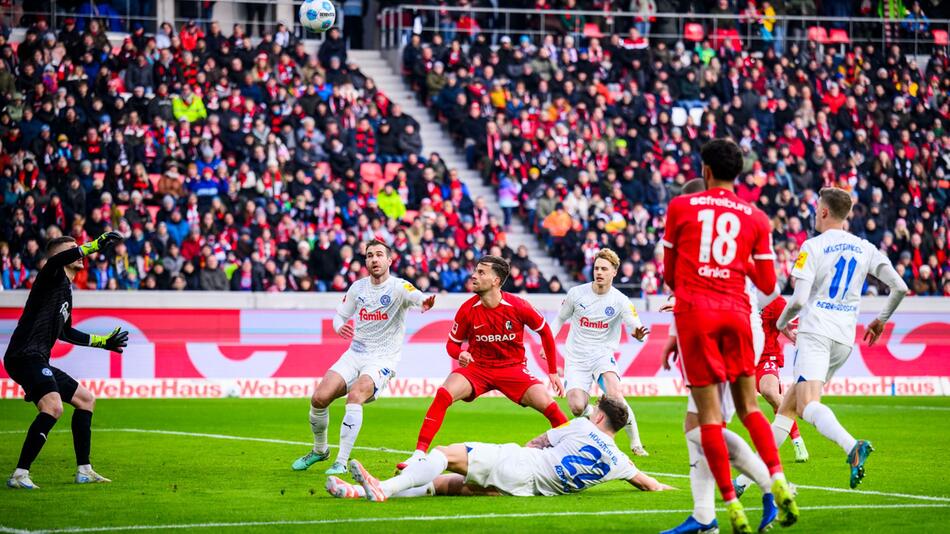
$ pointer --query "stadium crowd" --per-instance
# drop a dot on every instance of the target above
(227, 165)
(587, 137)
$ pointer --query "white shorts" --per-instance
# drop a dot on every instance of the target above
(817, 357)
(506, 468)
(726, 403)
(381, 368)
(581, 374)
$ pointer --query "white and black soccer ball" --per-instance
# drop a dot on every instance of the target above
(317, 16)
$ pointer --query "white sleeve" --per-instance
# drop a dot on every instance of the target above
(563, 316)
(556, 434)
(805, 264)
(625, 469)
(885, 272)
(631, 319)
(412, 296)
(795, 304)
(346, 309)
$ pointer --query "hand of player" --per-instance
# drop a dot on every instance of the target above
(669, 304)
(874, 331)
(428, 303)
(109, 239)
(465, 358)
(641, 333)
(114, 342)
(556, 384)
(670, 352)
(346, 331)
(791, 333)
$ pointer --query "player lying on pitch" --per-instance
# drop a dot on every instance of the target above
(567, 459)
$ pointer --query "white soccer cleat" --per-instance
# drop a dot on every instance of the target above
(801, 453)
(638, 450)
(370, 484)
(90, 477)
(344, 490)
(21, 482)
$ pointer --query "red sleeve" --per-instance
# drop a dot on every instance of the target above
(550, 348)
(453, 348)
(669, 245)
(531, 317)
(771, 313)
(762, 254)
(459, 332)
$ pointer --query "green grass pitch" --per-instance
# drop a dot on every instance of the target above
(177, 478)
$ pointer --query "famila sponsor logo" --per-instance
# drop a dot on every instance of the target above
(587, 323)
(378, 315)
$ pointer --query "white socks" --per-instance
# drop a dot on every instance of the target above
(20, 472)
(349, 430)
(781, 426)
(319, 420)
(747, 461)
(701, 482)
(633, 432)
(420, 491)
(416, 474)
(85, 468)
(827, 424)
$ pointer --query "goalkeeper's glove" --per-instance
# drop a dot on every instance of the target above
(115, 342)
(105, 240)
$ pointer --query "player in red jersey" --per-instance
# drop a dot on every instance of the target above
(767, 381)
(493, 323)
(710, 237)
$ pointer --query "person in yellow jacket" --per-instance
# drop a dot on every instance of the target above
(391, 203)
(189, 106)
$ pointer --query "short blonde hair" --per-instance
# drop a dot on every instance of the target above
(838, 201)
(609, 255)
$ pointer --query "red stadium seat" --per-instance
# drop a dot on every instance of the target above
(818, 34)
(591, 29)
(391, 170)
(694, 32)
(373, 174)
(838, 36)
(941, 38)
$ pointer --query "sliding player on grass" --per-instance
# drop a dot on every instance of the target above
(563, 460)
(47, 317)
(597, 311)
(492, 323)
(378, 303)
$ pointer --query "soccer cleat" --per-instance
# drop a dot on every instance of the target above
(638, 450)
(338, 468)
(801, 453)
(691, 526)
(343, 490)
(769, 512)
(785, 499)
(740, 488)
(740, 523)
(90, 477)
(856, 458)
(21, 482)
(370, 484)
(304, 462)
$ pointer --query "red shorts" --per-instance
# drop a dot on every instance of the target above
(767, 366)
(512, 381)
(716, 346)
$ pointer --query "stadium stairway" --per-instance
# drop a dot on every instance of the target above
(434, 139)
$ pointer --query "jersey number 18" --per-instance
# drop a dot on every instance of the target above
(722, 247)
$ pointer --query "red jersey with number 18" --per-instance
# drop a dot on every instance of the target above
(495, 335)
(712, 235)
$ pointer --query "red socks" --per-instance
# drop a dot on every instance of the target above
(761, 433)
(555, 415)
(717, 456)
(434, 417)
(794, 433)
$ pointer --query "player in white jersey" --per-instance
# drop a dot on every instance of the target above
(596, 312)
(567, 459)
(829, 276)
(378, 305)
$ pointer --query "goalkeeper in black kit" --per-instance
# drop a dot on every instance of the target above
(46, 318)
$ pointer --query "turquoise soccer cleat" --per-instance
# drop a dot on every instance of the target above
(856, 458)
(338, 468)
(304, 462)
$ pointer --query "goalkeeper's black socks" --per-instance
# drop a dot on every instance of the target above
(35, 439)
(82, 435)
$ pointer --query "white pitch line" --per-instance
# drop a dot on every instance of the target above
(398, 519)
(394, 451)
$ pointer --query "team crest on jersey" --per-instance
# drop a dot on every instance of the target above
(384, 372)
(610, 311)
(46, 372)
(508, 325)
(385, 300)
